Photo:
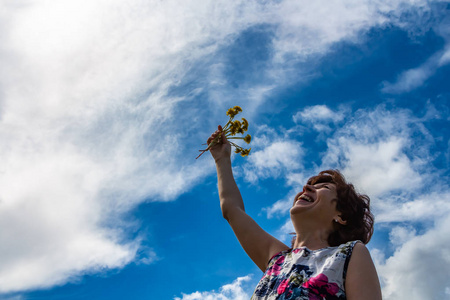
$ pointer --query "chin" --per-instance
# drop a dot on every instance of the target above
(296, 210)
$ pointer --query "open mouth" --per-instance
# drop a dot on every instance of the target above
(305, 198)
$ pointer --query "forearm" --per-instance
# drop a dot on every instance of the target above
(229, 194)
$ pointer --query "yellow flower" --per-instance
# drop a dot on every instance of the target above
(245, 152)
(244, 124)
(233, 129)
(248, 138)
(231, 112)
(230, 129)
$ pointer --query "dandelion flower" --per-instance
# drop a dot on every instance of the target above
(231, 112)
(244, 124)
(232, 128)
(248, 138)
(245, 152)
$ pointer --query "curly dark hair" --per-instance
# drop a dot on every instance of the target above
(354, 208)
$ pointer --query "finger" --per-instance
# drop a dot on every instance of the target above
(224, 139)
(212, 137)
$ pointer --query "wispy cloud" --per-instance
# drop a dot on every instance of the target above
(93, 121)
(403, 273)
(378, 153)
(87, 130)
(320, 117)
(416, 77)
(279, 157)
(419, 208)
(238, 290)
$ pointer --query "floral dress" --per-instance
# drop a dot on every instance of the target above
(300, 273)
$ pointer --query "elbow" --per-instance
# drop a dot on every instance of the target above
(229, 213)
(225, 213)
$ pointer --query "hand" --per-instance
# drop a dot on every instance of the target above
(222, 149)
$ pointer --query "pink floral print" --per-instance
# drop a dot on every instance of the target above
(320, 288)
(303, 274)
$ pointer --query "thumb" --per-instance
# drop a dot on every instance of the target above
(224, 139)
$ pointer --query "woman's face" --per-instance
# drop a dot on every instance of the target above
(318, 200)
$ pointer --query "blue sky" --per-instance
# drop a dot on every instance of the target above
(105, 104)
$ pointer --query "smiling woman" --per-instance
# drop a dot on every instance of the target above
(354, 221)
(327, 259)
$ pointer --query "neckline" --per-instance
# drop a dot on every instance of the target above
(306, 248)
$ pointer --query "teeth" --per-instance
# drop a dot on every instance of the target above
(305, 197)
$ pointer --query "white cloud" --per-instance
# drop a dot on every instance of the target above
(237, 290)
(414, 207)
(87, 116)
(281, 206)
(377, 152)
(275, 159)
(380, 167)
(301, 33)
(419, 267)
(413, 78)
(408, 80)
(445, 58)
(401, 234)
(86, 127)
(317, 113)
(416, 77)
(16, 297)
(319, 116)
(280, 154)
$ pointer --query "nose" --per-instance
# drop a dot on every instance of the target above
(308, 187)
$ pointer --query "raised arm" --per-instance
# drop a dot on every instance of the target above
(258, 244)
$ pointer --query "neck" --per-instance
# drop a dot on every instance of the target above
(312, 239)
(311, 231)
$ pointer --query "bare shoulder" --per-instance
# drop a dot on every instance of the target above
(362, 280)
(360, 251)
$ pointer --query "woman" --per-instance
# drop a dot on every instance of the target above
(328, 258)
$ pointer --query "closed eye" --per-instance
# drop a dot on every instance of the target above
(323, 186)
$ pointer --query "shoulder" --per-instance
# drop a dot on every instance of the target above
(361, 280)
(348, 248)
(359, 252)
(350, 244)
(357, 255)
(278, 257)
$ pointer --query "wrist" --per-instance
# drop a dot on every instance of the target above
(224, 160)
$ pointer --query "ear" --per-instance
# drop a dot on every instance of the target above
(338, 219)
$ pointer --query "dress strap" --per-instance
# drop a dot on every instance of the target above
(349, 247)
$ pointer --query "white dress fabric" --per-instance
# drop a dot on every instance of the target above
(300, 273)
